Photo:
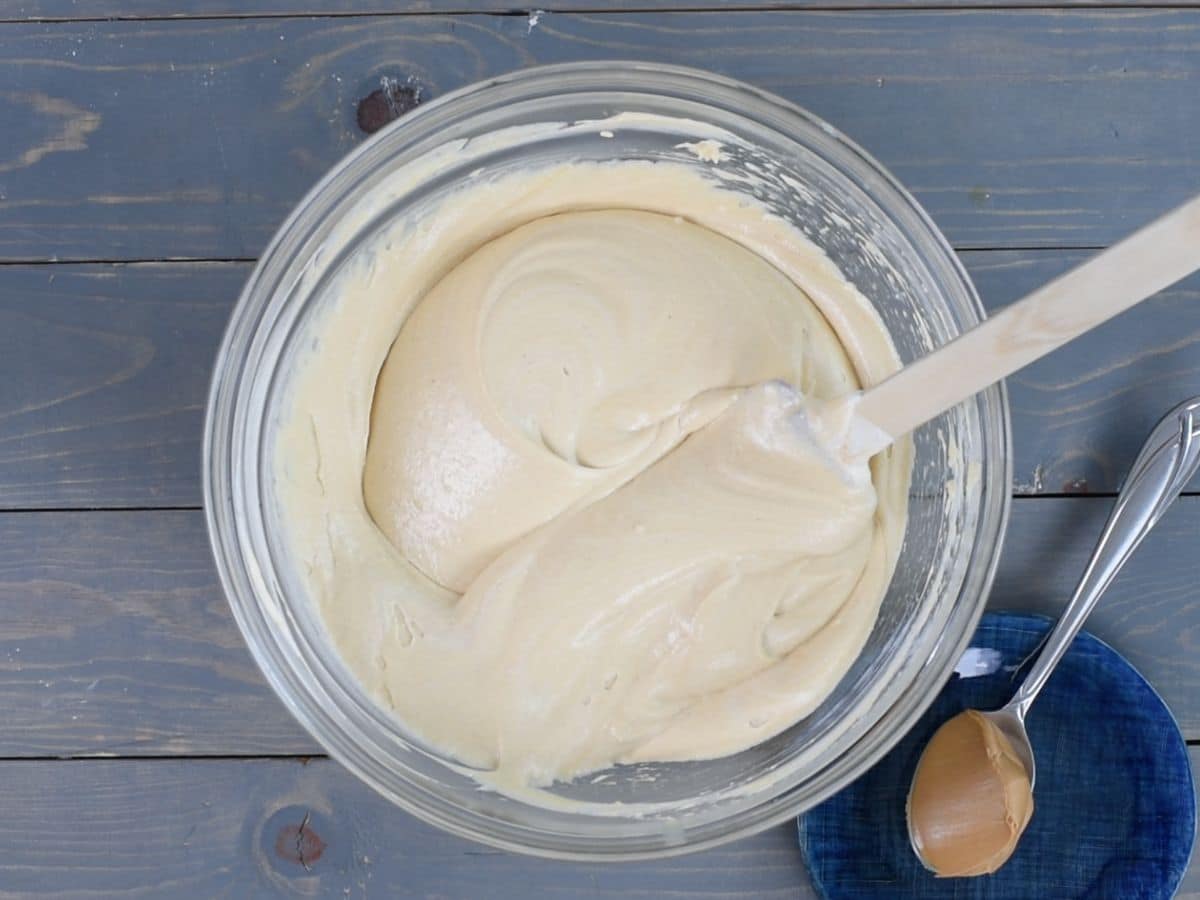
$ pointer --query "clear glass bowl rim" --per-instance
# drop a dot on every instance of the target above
(221, 479)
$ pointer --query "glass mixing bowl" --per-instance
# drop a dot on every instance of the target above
(843, 201)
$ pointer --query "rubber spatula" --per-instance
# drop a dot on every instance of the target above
(1147, 261)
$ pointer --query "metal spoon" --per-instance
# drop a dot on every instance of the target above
(1167, 461)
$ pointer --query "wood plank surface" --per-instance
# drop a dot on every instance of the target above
(104, 376)
(104, 373)
(115, 637)
(164, 139)
(232, 829)
(190, 139)
(76, 10)
(1080, 415)
(281, 828)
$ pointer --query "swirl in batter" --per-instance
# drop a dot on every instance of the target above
(610, 535)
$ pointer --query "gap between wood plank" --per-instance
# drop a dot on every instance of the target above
(250, 260)
(968, 7)
(37, 510)
(303, 759)
(136, 261)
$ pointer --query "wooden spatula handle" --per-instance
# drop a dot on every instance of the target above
(1112, 281)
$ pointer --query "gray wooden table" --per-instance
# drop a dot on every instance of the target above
(148, 148)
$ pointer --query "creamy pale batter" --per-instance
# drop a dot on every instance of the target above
(548, 473)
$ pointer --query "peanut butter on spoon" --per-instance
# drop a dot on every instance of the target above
(972, 793)
(971, 798)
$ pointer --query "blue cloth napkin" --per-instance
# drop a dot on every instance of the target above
(1114, 805)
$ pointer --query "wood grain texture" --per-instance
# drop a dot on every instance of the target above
(104, 373)
(279, 828)
(1139, 266)
(115, 637)
(1080, 414)
(150, 140)
(233, 829)
(76, 10)
(140, 140)
(103, 380)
